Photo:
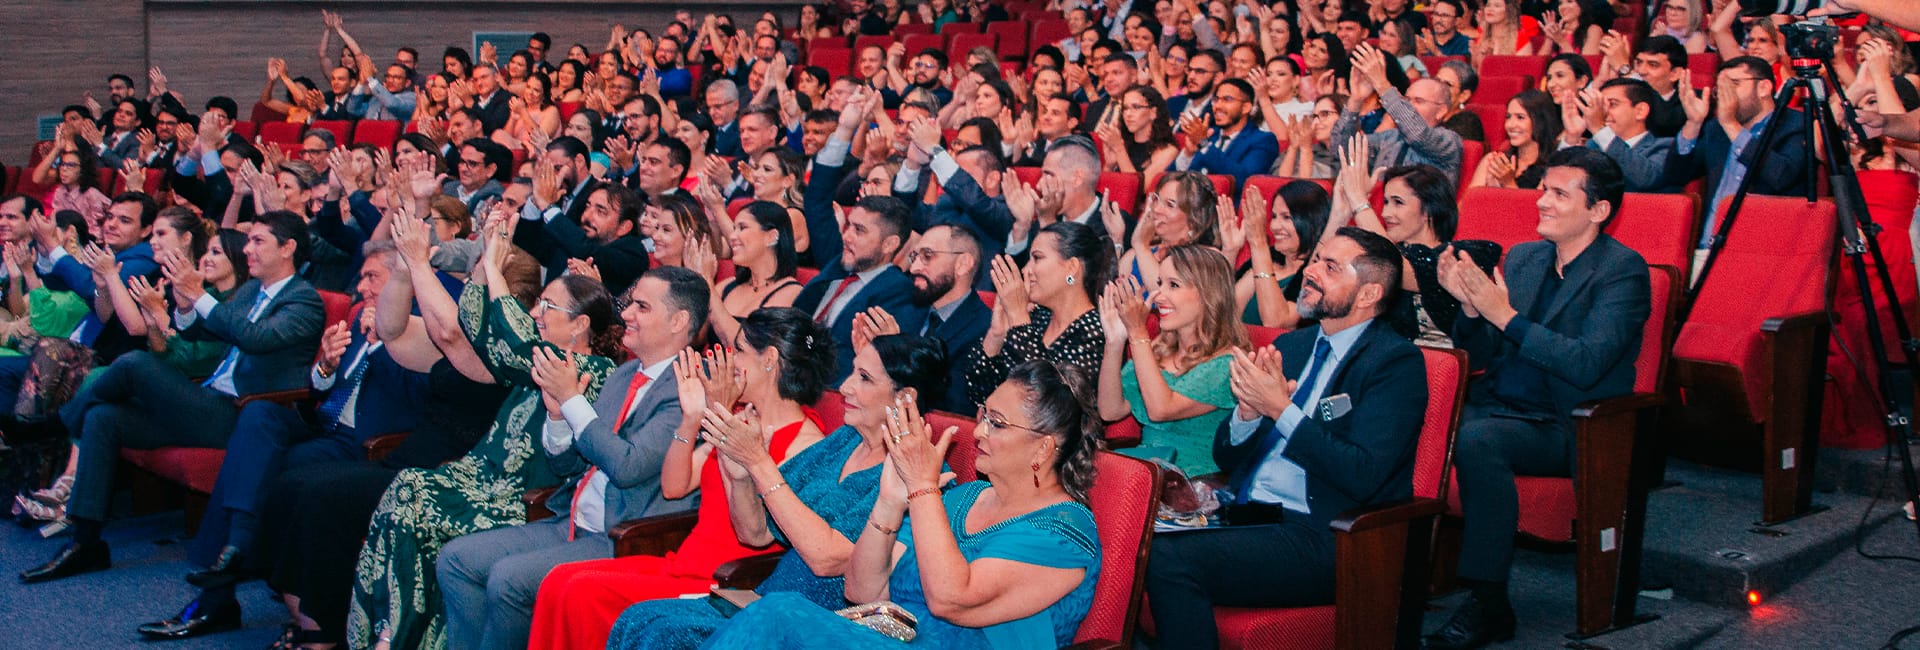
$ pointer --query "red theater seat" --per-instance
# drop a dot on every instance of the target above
(379, 133)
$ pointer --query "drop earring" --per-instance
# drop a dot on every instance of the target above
(1036, 474)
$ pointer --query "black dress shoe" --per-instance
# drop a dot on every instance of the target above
(73, 559)
(1474, 625)
(193, 621)
(225, 570)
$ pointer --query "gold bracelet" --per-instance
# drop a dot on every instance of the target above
(876, 526)
(776, 488)
(1265, 276)
(1143, 341)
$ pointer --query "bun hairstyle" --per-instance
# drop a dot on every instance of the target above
(590, 299)
(916, 362)
(1079, 241)
(198, 231)
(1060, 400)
(804, 347)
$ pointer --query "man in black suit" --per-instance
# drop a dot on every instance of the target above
(971, 184)
(489, 98)
(1058, 117)
(1327, 422)
(1562, 326)
(1725, 152)
(941, 266)
(362, 392)
(273, 322)
(863, 277)
(607, 236)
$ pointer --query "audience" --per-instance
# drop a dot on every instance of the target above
(931, 231)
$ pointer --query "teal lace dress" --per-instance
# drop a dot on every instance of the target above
(814, 477)
(395, 594)
(1058, 536)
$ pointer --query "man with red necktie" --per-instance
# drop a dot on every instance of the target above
(611, 448)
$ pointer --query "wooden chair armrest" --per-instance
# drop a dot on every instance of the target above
(1801, 321)
(1381, 557)
(1622, 405)
(747, 572)
(380, 446)
(653, 536)
(287, 398)
(536, 502)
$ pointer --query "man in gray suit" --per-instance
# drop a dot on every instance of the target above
(1617, 115)
(612, 451)
(1562, 326)
(273, 323)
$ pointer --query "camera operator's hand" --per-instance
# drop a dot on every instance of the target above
(1904, 14)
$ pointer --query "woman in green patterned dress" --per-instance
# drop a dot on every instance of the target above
(396, 600)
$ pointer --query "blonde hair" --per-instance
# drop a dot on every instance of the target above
(1218, 328)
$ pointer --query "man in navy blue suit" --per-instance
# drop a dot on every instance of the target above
(362, 392)
(1724, 152)
(971, 181)
(863, 277)
(1233, 146)
(1327, 422)
(942, 267)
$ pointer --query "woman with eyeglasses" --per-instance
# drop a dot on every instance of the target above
(1046, 309)
(1681, 20)
(815, 502)
(1279, 247)
(1183, 209)
(1006, 562)
(395, 594)
(1308, 153)
(73, 171)
(1173, 384)
(1139, 137)
(764, 263)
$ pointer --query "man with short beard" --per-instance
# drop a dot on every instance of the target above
(607, 236)
(862, 276)
(943, 268)
(1724, 152)
(1326, 421)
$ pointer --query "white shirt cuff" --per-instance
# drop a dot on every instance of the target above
(834, 153)
(1290, 420)
(907, 179)
(943, 166)
(204, 305)
(556, 437)
(48, 259)
(579, 413)
(1604, 137)
(323, 382)
(1184, 161)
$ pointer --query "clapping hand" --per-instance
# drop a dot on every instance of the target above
(333, 345)
(739, 436)
(873, 323)
(1258, 382)
(583, 268)
(559, 378)
(151, 297)
(1010, 287)
(916, 456)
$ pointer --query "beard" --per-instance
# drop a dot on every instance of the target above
(1323, 306)
(936, 287)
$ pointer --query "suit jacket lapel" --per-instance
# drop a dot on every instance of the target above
(1571, 285)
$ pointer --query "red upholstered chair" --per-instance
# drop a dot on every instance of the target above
(1493, 119)
(1750, 357)
(1027, 175)
(832, 409)
(883, 41)
(1262, 336)
(13, 180)
(1222, 185)
(952, 28)
(280, 133)
(1497, 89)
(1012, 43)
(262, 114)
(964, 450)
(918, 42)
(903, 31)
(1047, 32)
(1433, 63)
(245, 129)
(987, 297)
(805, 274)
(1123, 188)
(1511, 66)
(964, 42)
(1660, 227)
(1501, 215)
(1470, 153)
(1124, 499)
(340, 128)
(1380, 553)
(837, 60)
(379, 133)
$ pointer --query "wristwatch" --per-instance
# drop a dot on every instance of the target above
(1623, 70)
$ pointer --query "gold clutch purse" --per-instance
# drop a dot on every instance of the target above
(883, 617)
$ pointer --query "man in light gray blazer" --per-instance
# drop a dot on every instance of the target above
(611, 453)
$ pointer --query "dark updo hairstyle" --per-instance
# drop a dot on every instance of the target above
(198, 230)
(590, 299)
(595, 125)
(772, 217)
(804, 347)
(1059, 401)
(1079, 241)
(916, 362)
(65, 219)
(1435, 191)
(1308, 206)
(233, 244)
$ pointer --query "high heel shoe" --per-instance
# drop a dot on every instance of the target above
(57, 493)
(36, 510)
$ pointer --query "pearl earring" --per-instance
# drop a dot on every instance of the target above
(1069, 279)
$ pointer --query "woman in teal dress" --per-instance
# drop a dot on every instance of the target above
(1009, 562)
(396, 601)
(1174, 384)
(829, 490)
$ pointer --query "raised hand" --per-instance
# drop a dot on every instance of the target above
(152, 299)
(1112, 323)
(1010, 286)
(689, 374)
(1502, 168)
(917, 457)
(409, 236)
(583, 268)
(1258, 386)
(333, 345)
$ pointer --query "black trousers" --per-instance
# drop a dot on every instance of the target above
(1493, 446)
(312, 523)
(1289, 564)
(141, 403)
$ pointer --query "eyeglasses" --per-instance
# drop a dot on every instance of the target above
(315, 152)
(548, 305)
(64, 164)
(995, 422)
(1164, 202)
(473, 163)
(926, 254)
(925, 65)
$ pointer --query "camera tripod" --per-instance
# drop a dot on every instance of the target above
(1811, 48)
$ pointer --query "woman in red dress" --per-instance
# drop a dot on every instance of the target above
(781, 361)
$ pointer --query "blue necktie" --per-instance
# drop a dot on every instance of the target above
(336, 403)
(1269, 435)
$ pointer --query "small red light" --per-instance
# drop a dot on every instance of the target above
(1753, 598)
